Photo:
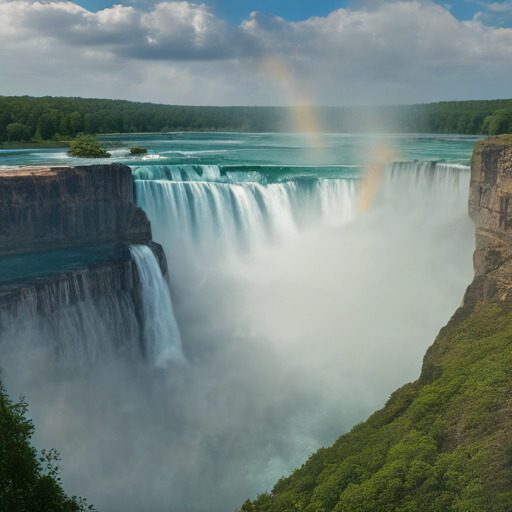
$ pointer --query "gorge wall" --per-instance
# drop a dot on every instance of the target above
(65, 234)
(43, 208)
(490, 207)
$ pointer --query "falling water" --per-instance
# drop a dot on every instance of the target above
(194, 206)
(161, 335)
(237, 216)
(426, 177)
(67, 317)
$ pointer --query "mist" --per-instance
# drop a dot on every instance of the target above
(287, 346)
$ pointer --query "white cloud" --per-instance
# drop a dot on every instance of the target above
(179, 52)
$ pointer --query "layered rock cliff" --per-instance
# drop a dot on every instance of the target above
(64, 236)
(490, 207)
(58, 207)
(443, 442)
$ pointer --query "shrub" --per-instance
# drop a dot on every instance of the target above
(138, 151)
(87, 146)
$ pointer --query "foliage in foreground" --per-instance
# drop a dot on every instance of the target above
(87, 146)
(442, 443)
(28, 482)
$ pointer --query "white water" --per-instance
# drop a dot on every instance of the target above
(209, 213)
(92, 331)
(160, 331)
(177, 172)
(438, 179)
(236, 217)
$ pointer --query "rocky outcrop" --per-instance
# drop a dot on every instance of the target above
(44, 208)
(64, 236)
(490, 207)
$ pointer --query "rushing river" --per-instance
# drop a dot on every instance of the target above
(296, 311)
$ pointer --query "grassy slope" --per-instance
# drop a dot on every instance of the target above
(441, 443)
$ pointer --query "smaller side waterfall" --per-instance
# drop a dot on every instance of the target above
(426, 177)
(160, 330)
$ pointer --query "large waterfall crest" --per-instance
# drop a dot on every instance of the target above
(195, 206)
(237, 216)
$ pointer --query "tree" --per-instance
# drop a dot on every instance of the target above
(87, 146)
(46, 126)
(75, 123)
(17, 132)
(90, 124)
(28, 482)
(138, 151)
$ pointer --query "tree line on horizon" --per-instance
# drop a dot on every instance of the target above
(26, 118)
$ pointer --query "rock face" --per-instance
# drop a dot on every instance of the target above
(490, 207)
(59, 207)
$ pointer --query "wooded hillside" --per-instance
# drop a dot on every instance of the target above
(24, 118)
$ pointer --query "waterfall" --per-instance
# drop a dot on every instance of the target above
(80, 334)
(426, 177)
(239, 216)
(95, 314)
(192, 206)
(161, 335)
(177, 172)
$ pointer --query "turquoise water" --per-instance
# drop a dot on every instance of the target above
(278, 156)
(20, 267)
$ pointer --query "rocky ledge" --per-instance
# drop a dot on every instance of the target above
(46, 212)
(45, 208)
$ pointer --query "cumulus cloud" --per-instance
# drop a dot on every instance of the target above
(171, 30)
(392, 52)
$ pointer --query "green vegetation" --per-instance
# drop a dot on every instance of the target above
(24, 118)
(28, 482)
(87, 146)
(138, 151)
(442, 443)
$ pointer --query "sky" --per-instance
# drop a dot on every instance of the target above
(329, 52)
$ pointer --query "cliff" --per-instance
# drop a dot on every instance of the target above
(490, 207)
(64, 233)
(443, 442)
(52, 208)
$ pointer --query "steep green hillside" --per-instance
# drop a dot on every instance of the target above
(444, 442)
(441, 443)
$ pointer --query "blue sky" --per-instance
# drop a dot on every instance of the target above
(236, 11)
(164, 51)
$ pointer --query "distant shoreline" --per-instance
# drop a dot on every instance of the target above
(34, 145)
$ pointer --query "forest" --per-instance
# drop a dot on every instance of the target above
(25, 118)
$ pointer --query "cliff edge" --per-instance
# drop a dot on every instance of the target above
(46, 208)
(490, 207)
(443, 442)
(64, 233)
